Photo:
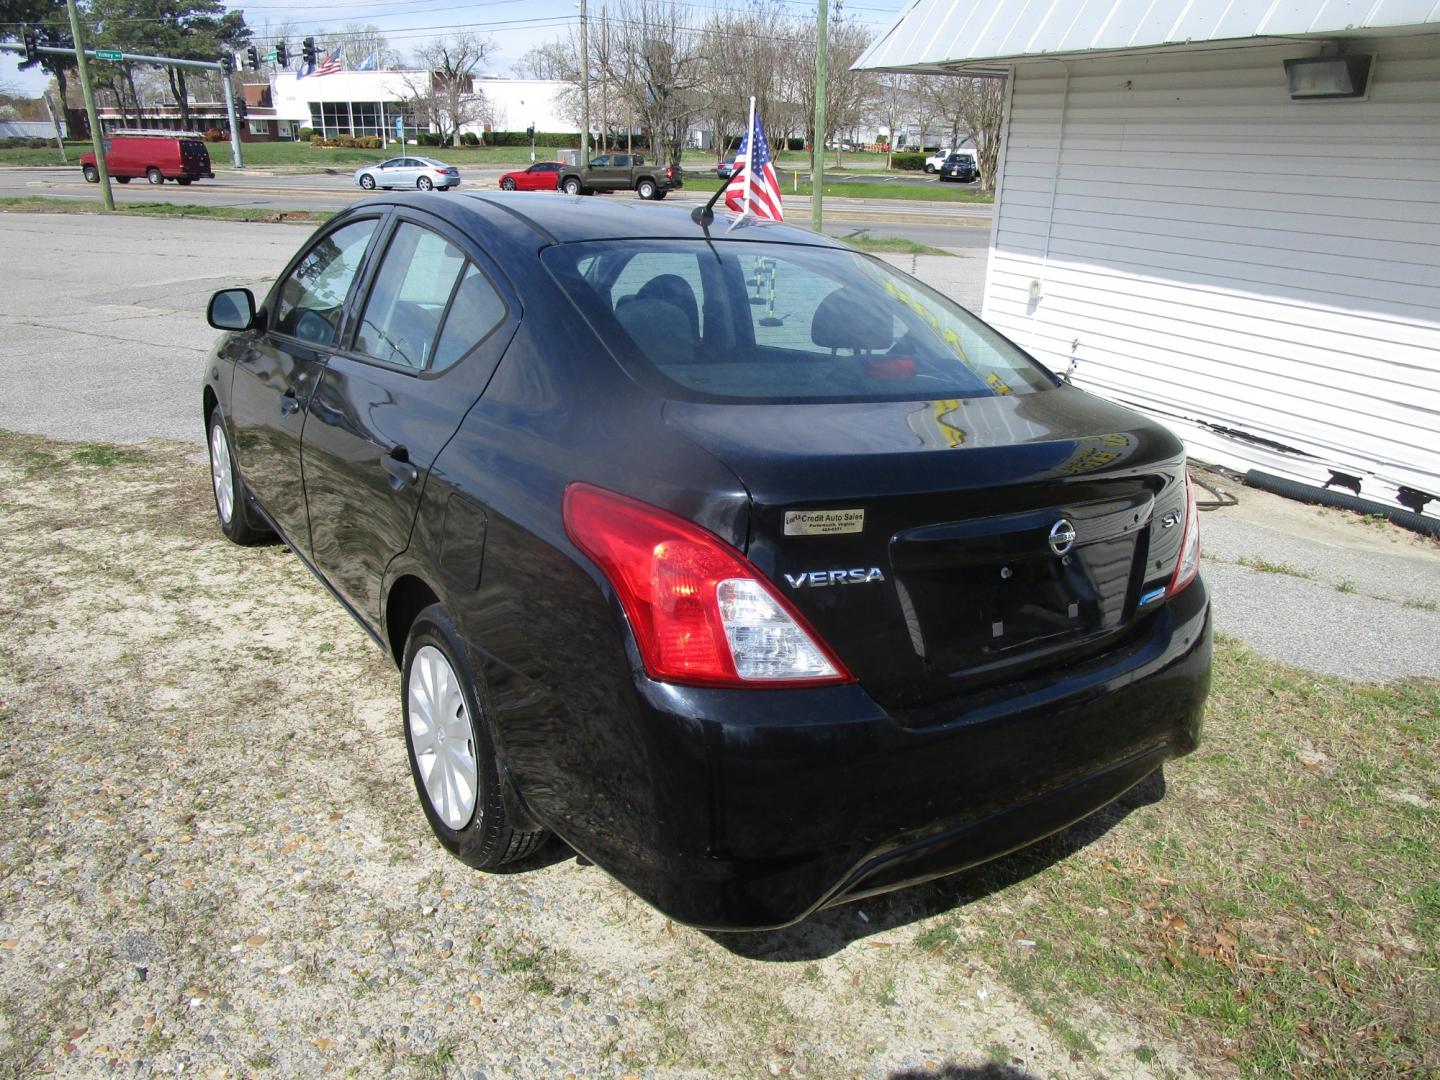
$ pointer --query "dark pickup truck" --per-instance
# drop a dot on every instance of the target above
(620, 172)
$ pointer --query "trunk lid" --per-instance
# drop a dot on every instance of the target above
(927, 540)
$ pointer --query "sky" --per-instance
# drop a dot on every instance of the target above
(516, 25)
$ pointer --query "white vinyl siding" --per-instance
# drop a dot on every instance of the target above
(1226, 258)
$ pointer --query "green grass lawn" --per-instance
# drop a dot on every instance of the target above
(34, 204)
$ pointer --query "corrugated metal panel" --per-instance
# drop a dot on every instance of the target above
(1234, 261)
(955, 33)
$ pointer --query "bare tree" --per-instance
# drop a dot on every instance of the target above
(358, 43)
(974, 107)
(552, 60)
(848, 93)
(665, 70)
(893, 103)
(445, 97)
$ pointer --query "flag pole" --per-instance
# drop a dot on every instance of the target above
(749, 161)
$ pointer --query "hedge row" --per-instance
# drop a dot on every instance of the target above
(908, 162)
(364, 142)
(24, 143)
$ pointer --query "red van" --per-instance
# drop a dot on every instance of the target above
(156, 156)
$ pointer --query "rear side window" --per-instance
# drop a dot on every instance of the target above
(313, 295)
(764, 322)
(429, 305)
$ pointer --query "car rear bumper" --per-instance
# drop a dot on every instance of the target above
(767, 806)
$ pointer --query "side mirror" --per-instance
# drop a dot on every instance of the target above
(231, 309)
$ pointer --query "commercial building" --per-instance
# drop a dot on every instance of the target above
(1227, 215)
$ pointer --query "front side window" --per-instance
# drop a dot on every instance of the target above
(312, 297)
(761, 322)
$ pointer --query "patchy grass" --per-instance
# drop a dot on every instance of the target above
(186, 794)
(892, 244)
(1265, 566)
(35, 204)
(1422, 605)
(903, 192)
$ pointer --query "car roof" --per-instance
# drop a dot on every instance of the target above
(569, 219)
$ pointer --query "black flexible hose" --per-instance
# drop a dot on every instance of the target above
(1222, 498)
(1428, 526)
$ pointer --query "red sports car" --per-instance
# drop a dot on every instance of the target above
(542, 176)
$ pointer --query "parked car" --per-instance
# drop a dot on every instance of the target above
(542, 176)
(408, 172)
(621, 172)
(935, 161)
(760, 606)
(726, 169)
(155, 156)
(961, 167)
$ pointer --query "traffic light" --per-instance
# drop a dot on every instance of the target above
(252, 58)
(31, 43)
(282, 55)
(227, 62)
(307, 50)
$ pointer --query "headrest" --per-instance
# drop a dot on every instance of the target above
(849, 319)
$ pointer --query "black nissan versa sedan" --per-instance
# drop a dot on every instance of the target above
(762, 574)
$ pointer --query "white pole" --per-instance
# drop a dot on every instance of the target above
(749, 162)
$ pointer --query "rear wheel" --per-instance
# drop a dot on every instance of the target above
(660, 195)
(237, 521)
(929, 167)
(91, 174)
(507, 184)
(183, 181)
(424, 183)
(452, 755)
(154, 175)
(367, 182)
(645, 189)
(572, 186)
(122, 179)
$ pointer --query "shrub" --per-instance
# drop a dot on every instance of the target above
(347, 141)
(214, 135)
(795, 144)
(306, 134)
(558, 139)
(317, 140)
(469, 138)
(369, 142)
(908, 162)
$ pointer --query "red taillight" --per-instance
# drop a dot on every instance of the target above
(1188, 565)
(670, 171)
(700, 612)
(443, 172)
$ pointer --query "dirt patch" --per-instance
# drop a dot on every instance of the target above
(212, 858)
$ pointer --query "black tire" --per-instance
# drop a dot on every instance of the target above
(367, 182)
(122, 179)
(183, 181)
(571, 186)
(91, 174)
(425, 183)
(930, 168)
(660, 195)
(244, 525)
(155, 176)
(507, 184)
(646, 189)
(488, 839)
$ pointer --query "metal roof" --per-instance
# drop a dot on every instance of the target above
(937, 35)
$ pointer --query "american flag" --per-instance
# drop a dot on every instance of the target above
(759, 174)
(330, 65)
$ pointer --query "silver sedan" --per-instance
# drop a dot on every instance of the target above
(408, 172)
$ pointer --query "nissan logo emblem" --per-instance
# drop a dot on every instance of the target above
(1062, 537)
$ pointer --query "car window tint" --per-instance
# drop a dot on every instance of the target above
(313, 294)
(476, 310)
(784, 323)
(664, 277)
(407, 302)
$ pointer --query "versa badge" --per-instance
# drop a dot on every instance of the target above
(817, 578)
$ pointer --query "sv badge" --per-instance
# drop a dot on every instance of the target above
(817, 578)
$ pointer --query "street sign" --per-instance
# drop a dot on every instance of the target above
(109, 54)
(269, 57)
(400, 127)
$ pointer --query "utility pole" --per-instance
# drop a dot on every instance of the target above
(584, 91)
(604, 81)
(817, 159)
(82, 62)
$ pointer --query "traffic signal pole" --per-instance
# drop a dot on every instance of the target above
(82, 55)
(97, 139)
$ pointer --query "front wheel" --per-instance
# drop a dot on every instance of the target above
(507, 184)
(155, 176)
(452, 755)
(367, 182)
(572, 186)
(183, 181)
(645, 189)
(929, 168)
(91, 174)
(122, 179)
(237, 520)
(424, 183)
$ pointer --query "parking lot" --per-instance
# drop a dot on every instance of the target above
(212, 859)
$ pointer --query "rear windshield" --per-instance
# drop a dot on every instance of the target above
(755, 322)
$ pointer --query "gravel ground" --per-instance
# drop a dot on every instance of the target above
(212, 859)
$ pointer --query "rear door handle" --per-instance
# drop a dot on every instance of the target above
(397, 464)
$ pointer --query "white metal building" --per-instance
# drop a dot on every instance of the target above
(1260, 271)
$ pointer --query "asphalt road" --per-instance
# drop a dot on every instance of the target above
(103, 335)
(333, 191)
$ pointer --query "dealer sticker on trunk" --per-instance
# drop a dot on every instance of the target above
(823, 522)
